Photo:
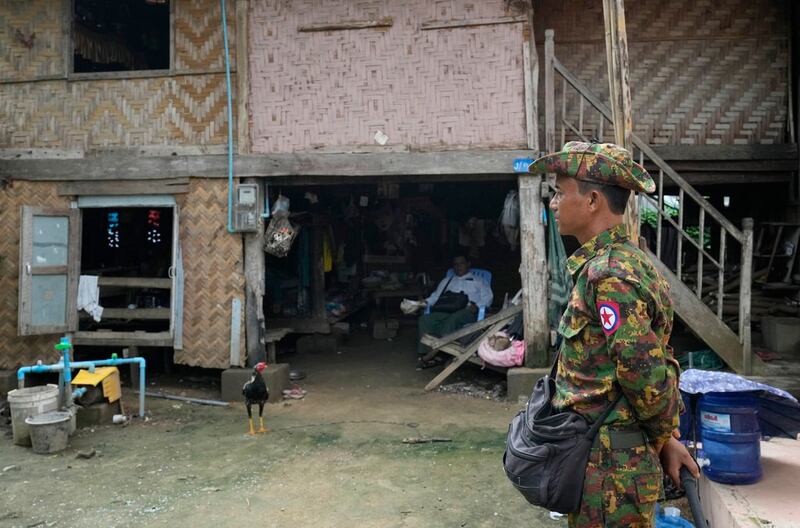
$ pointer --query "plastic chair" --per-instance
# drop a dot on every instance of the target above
(481, 274)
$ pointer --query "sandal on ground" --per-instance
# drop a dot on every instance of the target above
(434, 362)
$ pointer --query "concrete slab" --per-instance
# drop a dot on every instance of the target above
(276, 377)
(97, 414)
(781, 334)
(521, 381)
(770, 502)
(8, 381)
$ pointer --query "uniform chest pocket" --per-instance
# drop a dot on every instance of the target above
(572, 323)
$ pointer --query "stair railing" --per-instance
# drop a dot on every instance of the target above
(593, 119)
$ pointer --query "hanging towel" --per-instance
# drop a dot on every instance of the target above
(89, 296)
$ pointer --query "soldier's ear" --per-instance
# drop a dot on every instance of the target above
(594, 199)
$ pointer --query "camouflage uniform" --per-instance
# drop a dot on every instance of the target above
(615, 328)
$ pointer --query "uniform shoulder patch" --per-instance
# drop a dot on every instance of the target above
(609, 316)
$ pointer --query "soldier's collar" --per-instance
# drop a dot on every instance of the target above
(585, 253)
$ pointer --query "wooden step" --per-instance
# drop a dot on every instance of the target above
(703, 322)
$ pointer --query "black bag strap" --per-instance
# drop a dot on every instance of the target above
(595, 427)
(446, 285)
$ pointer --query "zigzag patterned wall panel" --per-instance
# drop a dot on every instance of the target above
(214, 271)
(17, 351)
(700, 72)
(185, 109)
(198, 35)
(181, 110)
(458, 87)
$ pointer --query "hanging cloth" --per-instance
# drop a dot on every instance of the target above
(560, 280)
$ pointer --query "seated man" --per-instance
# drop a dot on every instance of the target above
(438, 323)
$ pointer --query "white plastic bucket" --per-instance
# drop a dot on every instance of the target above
(28, 402)
(49, 431)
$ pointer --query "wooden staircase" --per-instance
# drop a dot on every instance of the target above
(582, 115)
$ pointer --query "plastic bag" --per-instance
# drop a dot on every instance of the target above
(279, 235)
(511, 356)
(408, 307)
(509, 219)
(281, 205)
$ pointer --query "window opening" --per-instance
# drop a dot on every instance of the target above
(120, 35)
(125, 245)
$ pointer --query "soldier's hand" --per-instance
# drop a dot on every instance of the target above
(674, 455)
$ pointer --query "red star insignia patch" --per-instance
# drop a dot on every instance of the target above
(609, 316)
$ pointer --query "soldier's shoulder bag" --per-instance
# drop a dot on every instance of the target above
(547, 450)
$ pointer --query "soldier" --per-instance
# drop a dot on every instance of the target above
(614, 332)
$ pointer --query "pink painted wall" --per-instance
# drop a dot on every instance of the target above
(443, 88)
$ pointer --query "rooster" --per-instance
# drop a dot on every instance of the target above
(255, 391)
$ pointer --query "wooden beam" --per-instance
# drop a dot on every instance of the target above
(711, 166)
(730, 178)
(533, 271)
(549, 92)
(532, 106)
(109, 338)
(124, 188)
(469, 351)
(673, 153)
(620, 92)
(437, 342)
(134, 313)
(136, 282)
(330, 166)
(470, 22)
(347, 24)
(40, 153)
(301, 325)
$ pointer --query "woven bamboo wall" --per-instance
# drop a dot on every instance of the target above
(31, 40)
(213, 268)
(180, 110)
(701, 71)
(16, 351)
(453, 87)
(214, 271)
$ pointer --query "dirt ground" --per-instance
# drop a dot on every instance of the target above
(335, 458)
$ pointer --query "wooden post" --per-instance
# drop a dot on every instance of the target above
(132, 351)
(620, 91)
(549, 92)
(254, 261)
(254, 280)
(531, 70)
(745, 287)
(533, 271)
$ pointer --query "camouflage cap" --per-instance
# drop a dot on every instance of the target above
(604, 163)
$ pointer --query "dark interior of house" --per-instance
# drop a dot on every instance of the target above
(127, 242)
(123, 35)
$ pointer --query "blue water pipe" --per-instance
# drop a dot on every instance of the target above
(230, 114)
(66, 368)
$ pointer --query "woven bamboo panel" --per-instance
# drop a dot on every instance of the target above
(198, 34)
(214, 276)
(454, 87)
(700, 73)
(181, 110)
(17, 351)
(31, 40)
